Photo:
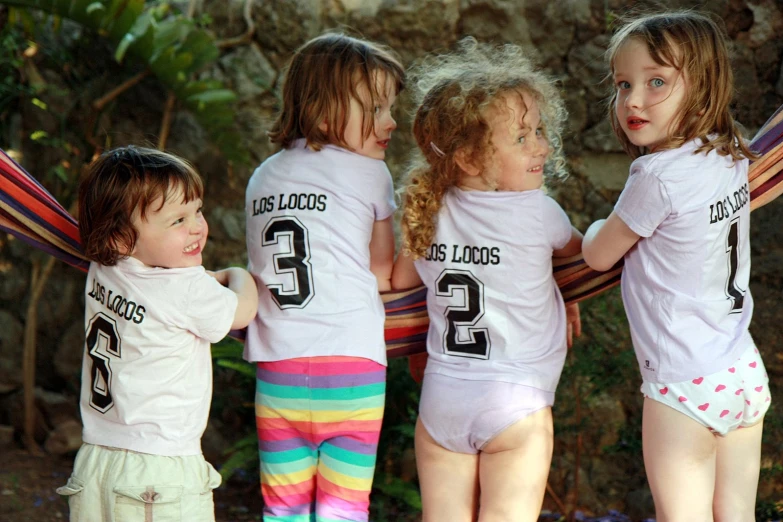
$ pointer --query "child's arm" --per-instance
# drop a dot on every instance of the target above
(404, 275)
(382, 252)
(573, 247)
(241, 283)
(607, 241)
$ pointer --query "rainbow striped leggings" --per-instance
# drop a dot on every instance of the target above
(318, 420)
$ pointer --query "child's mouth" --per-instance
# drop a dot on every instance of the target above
(384, 143)
(192, 249)
(636, 123)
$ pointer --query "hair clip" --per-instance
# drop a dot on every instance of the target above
(436, 149)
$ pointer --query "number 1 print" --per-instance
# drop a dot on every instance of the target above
(732, 248)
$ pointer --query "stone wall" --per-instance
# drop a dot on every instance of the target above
(567, 37)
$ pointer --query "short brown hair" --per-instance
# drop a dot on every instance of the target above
(323, 76)
(696, 45)
(453, 92)
(121, 184)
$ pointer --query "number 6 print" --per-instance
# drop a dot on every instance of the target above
(295, 262)
(465, 314)
(102, 341)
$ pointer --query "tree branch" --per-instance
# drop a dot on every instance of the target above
(107, 98)
(165, 124)
(247, 37)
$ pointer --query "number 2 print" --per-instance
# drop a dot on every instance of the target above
(464, 315)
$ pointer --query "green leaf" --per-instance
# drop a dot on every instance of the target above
(38, 135)
(40, 104)
(95, 6)
(212, 96)
(139, 29)
(242, 367)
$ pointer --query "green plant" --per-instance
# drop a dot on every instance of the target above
(171, 45)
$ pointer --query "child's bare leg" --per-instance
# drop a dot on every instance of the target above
(737, 478)
(679, 458)
(448, 480)
(513, 470)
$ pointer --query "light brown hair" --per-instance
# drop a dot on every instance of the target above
(323, 76)
(453, 92)
(124, 183)
(695, 45)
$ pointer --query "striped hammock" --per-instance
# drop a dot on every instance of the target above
(30, 213)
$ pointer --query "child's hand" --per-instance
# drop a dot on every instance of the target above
(573, 323)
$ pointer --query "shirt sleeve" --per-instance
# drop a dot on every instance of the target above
(556, 223)
(384, 204)
(210, 308)
(644, 203)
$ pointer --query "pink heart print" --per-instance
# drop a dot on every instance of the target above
(732, 370)
(704, 406)
(664, 391)
(747, 402)
(698, 381)
(724, 413)
(720, 387)
(738, 391)
(738, 415)
(758, 388)
(683, 399)
(753, 364)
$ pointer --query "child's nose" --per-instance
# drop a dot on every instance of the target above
(633, 99)
(391, 124)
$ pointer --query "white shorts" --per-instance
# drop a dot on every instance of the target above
(737, 397)
(464, 415)
(118, 485)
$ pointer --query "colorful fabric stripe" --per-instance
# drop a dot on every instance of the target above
(30, 213)
(318, 421)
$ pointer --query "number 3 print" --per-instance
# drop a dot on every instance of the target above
(475, 342)
(293, 263)
(102, 342)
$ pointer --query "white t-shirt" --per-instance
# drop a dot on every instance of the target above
(685, 283)
(495, 311)
(147, 368)
(310, 217)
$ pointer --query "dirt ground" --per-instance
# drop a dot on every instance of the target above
(27, 485)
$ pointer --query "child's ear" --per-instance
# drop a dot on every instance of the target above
(465, 162)
(323, 127)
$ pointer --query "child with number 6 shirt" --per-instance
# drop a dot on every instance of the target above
(151, 312)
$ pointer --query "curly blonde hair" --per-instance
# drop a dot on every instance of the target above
(453, 92)
(696, 45)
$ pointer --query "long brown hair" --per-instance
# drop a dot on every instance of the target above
(453, 92)
(124, 183)
(695, 45)
(323, 76)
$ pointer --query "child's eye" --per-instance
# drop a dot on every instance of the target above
(521, 139)
(377, 109)
(623, 85)
(540, 132)
(657, 82)
(200, 210)
(178, 221)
